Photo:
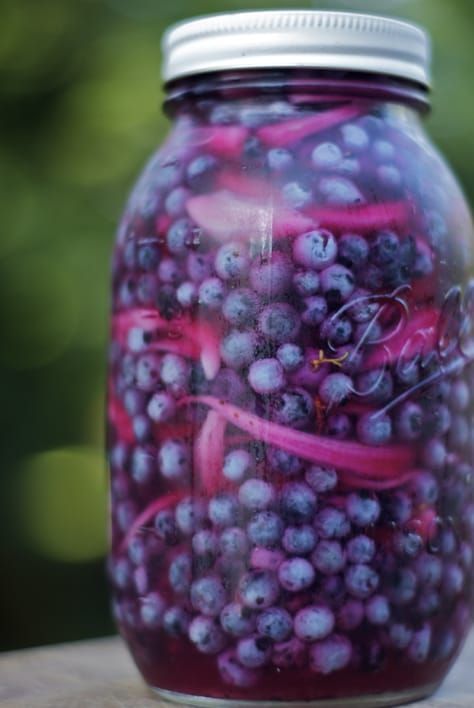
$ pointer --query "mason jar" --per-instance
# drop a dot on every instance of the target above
(291, 373)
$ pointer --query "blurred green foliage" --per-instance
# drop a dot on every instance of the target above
(80, 97)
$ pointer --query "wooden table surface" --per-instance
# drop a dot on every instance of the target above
(100, 674)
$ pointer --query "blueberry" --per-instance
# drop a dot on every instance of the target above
(360, 549)
(383, 150)
(166, 302)
(176, 621)
(321, 479)
(231, 261)
(326, 156)
(420, 644)
(174, 460)
(408, 421)
(143, 465)
(233, 673)
(238, 464)
(331, 654)
(353, 250)
(339, 426)
(293, 408)
(142, 428)
(315, 249)
(174, 372)
(190, 514)
(374, 429)
(266, 376)
(385, 248)
(362, 509)
(335, 389)
(170, 271)
(127, 292)
(125, 512)
(377, 610)
(265, 529)
(279, 322)
(165, 527)
(299, 540)
(389, 176)
(272, 277)
(290, 356)
(233, 542)
(340, 191)
(254, 651)
(180, 573)
(336, 330)
(148, 254)
(350, 615)
(137, 551)
(205, 543)
(275, 623)
(237, 620)
(180, 236)
(337, 282)
(315, 310)
(151, 610)
(400, 635)
(211, 293)
(375, 385)
(424, 488)
(453, 580)
(175, 202)
(206, 635)
(296, 195)
(198, 266)
(122, 573)
(223, 509)
(328, 557)
(459, 433)
(332, 523)
(238, 348)
(283, 462)
(428, 603)
(240, 307)
(228, 386)
(161, 407)
(289, 654)
(259, 589)
(297, 502)
(354, 137)
(313, 623)
(147, 371)
(296, 574)
(256, 494)
(223, 114)
(279, 159)
(200, 171)
(306, 282)
(434, 454)
(208, 596)
(402, 586)
(363, 307)
(438, 420)
(361, 581)
(460, 396)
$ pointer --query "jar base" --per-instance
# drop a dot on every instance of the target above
(380, 700)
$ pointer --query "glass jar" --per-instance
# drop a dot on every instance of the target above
(291, 374)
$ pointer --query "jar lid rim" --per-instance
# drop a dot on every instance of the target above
(317, 39)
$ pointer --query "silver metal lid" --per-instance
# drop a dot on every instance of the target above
(296, 38)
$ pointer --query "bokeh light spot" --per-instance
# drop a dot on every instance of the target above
(62, 502)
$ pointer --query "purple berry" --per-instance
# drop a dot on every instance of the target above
(331, 654)
(375, 386)
(174, 372)
(337, 282)
(279, 159)
(205, 543)
(339, 426)
(265, 529)
(350, 615)
(377, 610)
(360, 549)
(313, 623)
(198, 267)
(275, 623)
(332, 523)
(434, 454)
(238, 464)
(283, 462)
(361, 581)
(152, 609)
(296, 195)
(328, 557)
(147, 371)
(326, 156)
(293, 408)
(306, 282)
(259, 589)
(161, 407)
(315, 249)
(238, 348)
(223, 509)
(340, 191)
(254, 652)
(237, 620)
(206, 635)
(272, 277)
(420, 644)
(266, 376)
(176, 621)
(453, 580)
(256, 494)
(190, 514)
(336, 330)
(297, 502)
(354, 137)
(233, 673)
(299, 540)
(211, 293)
(408, 421)
(321, 479)
(208, 596)
(335, 389)
(143, 465)
(289, 654)
(279, 322)
(180, 573)
(240, 307)
(315, 310)
(290, 356)
(402, 586)
(296, 574)
(362, 509)
(400, 635)
(174, 460)
(374, 428)
(424, 488)
(165, 527)
(179, 236)
(200, 171)
(175, 202)
(231, 261)
(353, 251)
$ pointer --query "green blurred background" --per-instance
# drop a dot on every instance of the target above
(80, 111)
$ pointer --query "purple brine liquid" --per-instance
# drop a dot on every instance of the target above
(290, 401)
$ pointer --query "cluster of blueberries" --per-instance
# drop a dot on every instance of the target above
(282, 564)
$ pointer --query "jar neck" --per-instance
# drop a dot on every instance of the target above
(299, 86)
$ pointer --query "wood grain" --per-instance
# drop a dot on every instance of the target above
(100, 674)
